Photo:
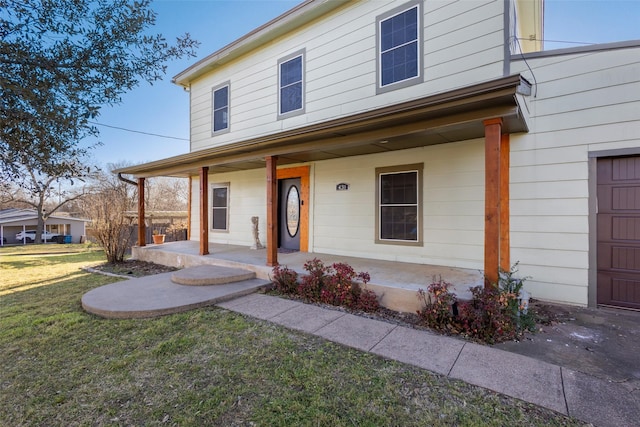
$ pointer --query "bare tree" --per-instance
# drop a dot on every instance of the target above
(166, 194)
(43, 192)
(106, 205)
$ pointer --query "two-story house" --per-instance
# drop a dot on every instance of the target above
(422, 131)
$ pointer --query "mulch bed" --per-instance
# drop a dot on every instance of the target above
(134, 268)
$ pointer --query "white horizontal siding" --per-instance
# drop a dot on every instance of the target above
(340, 58)
(561, 241)
(247, 198)
(343, 222)
(549, 224)
(583, 102)
(452, 226)
(551, 172)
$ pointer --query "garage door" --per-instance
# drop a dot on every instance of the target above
(619, 232)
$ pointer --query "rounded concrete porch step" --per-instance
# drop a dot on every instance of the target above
(157, 295)
(205, 275)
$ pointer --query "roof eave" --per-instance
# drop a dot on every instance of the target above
(300, 15)
(504, 91)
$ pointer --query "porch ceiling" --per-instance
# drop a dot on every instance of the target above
(451, 116)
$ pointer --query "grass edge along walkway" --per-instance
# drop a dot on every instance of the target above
(63, 366)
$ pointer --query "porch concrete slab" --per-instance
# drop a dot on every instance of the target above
(601, 402)
(512, 374)
(261, 306)
(157, 295)
(420, 348)
(396, 283)
(206, 275)
(307, 318)
(356, 331)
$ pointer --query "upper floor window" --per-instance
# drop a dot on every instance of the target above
(399, 47)
(221, 108)
(291, 85)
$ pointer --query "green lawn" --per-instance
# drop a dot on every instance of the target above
(62, 366)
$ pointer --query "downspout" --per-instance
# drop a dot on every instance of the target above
(128, 181)
(141, 215)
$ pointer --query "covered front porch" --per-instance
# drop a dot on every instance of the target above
(396, 283)
(471, 225)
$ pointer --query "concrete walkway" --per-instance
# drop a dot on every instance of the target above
(594, 400)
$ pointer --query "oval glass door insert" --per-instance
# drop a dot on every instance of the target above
(293, 211)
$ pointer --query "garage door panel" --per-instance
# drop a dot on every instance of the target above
(618, 199)
(612, 257)
(625, 169)
(619, 291)
(625, 291)
(618, 223)
(619, 228)
(616, 170)
(625, 258)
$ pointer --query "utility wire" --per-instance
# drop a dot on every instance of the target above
(139, 131)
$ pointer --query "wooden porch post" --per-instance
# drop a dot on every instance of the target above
(272, 211)
(492, 161)
(204, 210)
(142, 227)
(505, 239)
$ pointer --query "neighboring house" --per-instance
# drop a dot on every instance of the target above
(423, 132)
(16, 221)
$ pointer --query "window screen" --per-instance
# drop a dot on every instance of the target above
(398, 206)
(291, 85)
(220, 203)
(221, 109)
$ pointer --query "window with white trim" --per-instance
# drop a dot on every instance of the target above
(291, 85)
(220, 101)
(399, 204)
(220, 207)
(399, 47)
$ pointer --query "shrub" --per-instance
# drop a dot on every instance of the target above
(509, 283)
(439, 306)
(341, 286)
(337, 285)
(368, 301)
(311, 284)
(493, 314)
(285, 279)
(488, 317)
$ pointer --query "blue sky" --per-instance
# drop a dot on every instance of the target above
(164, 107)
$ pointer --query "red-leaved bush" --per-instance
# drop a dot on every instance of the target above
(337, 284)
(285, 279)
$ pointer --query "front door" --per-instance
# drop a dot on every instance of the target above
(619, 232)
(289, 205)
